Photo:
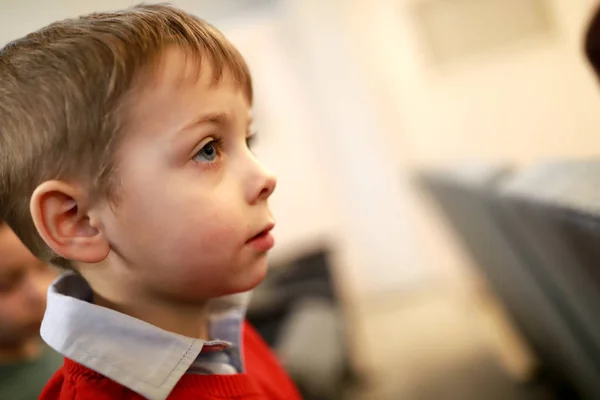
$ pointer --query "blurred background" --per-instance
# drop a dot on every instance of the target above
(435, 204)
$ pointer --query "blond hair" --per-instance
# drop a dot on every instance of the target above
(62, 99)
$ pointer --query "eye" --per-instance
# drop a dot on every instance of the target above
(209, 152)
(6, 287)
(10, 283)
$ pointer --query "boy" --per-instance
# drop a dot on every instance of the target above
(26, 363)
(124, 158)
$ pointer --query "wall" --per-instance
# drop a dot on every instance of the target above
(524, 102)
(520, 104)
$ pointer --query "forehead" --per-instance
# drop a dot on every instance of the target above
(179, 70)
(180, 85)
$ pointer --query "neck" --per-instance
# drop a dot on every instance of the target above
(25, 351)
(124, 293)
(183, 319)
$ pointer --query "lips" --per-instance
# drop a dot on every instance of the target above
(263, 241)
(265, 231)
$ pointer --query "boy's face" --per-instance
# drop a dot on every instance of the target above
(23, 283)
(191, 195)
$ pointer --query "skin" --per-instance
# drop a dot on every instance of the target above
(23, 284)
(191, 195)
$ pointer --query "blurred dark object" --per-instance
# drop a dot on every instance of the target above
(470, 202)
(592, 41)
(298, 313)
(557, 215)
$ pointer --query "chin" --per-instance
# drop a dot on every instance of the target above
(253, 276)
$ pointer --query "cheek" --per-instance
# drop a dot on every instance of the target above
(201, 241)
(178, 231)
(186, 241)
(196, 261)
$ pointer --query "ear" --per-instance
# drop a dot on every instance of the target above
(61, 216)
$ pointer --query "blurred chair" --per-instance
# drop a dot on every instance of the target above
(469, 200)
(297, 311)
(555, 209)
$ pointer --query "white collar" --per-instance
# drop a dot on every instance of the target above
(133, 353)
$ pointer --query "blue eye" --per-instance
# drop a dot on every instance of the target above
(208, 153)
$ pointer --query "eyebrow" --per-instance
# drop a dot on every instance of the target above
(216, 118)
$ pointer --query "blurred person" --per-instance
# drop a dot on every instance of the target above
(591, 41)
(26, 363)
(125, 160)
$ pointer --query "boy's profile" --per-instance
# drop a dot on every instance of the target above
(124, 158)
(26, 363)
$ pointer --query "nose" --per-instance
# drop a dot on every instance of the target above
(262, 184)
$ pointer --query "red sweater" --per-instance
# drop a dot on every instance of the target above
(264, 379)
